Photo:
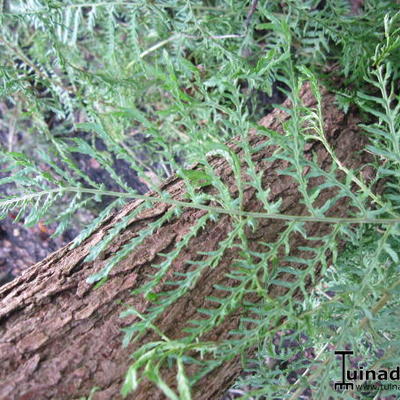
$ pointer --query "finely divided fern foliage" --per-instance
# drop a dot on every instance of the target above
(161, 85)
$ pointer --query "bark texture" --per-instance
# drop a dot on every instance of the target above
(59, 338)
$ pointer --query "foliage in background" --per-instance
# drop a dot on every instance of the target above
(173, 80)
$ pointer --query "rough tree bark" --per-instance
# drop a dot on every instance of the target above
(59, 338)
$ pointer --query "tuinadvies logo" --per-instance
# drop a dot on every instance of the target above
(350, 377)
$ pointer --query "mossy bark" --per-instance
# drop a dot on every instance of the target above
(59, 337)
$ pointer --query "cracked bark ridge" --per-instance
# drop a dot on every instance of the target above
(59, 338)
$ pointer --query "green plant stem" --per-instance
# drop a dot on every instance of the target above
(297, 218)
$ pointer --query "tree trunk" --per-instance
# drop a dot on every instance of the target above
(59, 338)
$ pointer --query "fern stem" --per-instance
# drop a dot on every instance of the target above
(298, 218)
